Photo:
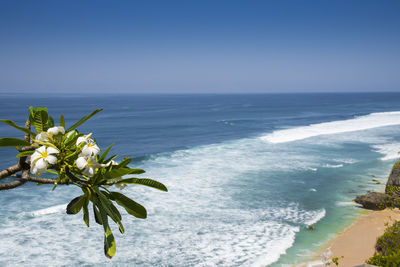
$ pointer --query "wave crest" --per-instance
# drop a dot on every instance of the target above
(373, 120)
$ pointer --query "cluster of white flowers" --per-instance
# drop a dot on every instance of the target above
(48, 135)
(43, 157)
(87, 159)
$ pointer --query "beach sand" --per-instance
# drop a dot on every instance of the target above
(357, 242)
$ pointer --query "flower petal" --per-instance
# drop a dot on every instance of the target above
(42, 137)
(61, 129)
(35, 155)
(86, 151)
(80, 140)
(95, 150)
(51, 159)
(81, 163)
(53, 130)
(52, 150)
(41, 165)
(88, 172)
(41, 149)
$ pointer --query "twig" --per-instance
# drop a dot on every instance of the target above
(38, 180)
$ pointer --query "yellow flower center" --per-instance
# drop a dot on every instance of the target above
(44, 154)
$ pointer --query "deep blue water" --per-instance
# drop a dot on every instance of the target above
(245, 178)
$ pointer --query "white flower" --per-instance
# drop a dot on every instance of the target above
(43, 137)
(88, 165)
(84, 139)
(48, 135)
(90, 149)
(42, 158)
(56, 130)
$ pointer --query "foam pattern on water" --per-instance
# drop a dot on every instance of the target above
(373, 120)
(200, 221)
(197, 223)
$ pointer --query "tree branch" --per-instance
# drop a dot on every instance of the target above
(21, 165)
(38, 180)
(12, 185)
(10, 170)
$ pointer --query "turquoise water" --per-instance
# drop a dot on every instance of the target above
(247, 174)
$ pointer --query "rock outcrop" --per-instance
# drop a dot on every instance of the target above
(373, 200)
(379, 201)
(394, 178)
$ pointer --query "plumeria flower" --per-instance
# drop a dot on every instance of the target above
(90, 149)
(56, 130)
(43, 137)
(48, 135)
(84, 139)
(42, 158)
(88, 165)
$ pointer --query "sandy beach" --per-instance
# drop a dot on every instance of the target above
(357, 242)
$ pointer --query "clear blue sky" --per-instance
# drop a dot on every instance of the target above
(199, 46)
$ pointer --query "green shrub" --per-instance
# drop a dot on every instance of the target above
(391, 260)
(388, 248)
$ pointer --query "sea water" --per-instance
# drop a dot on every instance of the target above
(246, 174)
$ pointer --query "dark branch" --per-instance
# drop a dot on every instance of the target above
(26, 148)
(39, 180)
(12, 185)
(10, 170)
(21, 165)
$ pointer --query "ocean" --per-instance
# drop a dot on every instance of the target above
(247, 174)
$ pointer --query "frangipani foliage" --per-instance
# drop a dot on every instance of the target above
(75, 159)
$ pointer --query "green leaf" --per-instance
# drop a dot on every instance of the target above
(40, 120)
(12, 124)
(86, 211)
(123, 163)
(50, 122)
(62, 121)
(109, 241)
(83, 119)
(110, 159)
(137, 171)
(107, 205)
(31, 115)
(97, 216)
(144, 181)
(12, 142)
(110, 246)
(75, 205)
(114, 173)
(25, 154)
(130, 206)
(71, 137)
(45, 143)
(104, 154)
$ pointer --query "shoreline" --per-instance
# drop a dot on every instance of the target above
(355, 243)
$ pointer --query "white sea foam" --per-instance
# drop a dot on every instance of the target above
(345, 203)
(373, 120)
(313, 220)
(333, 165)
(49, 210)
(389, 150)
(198, 222)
